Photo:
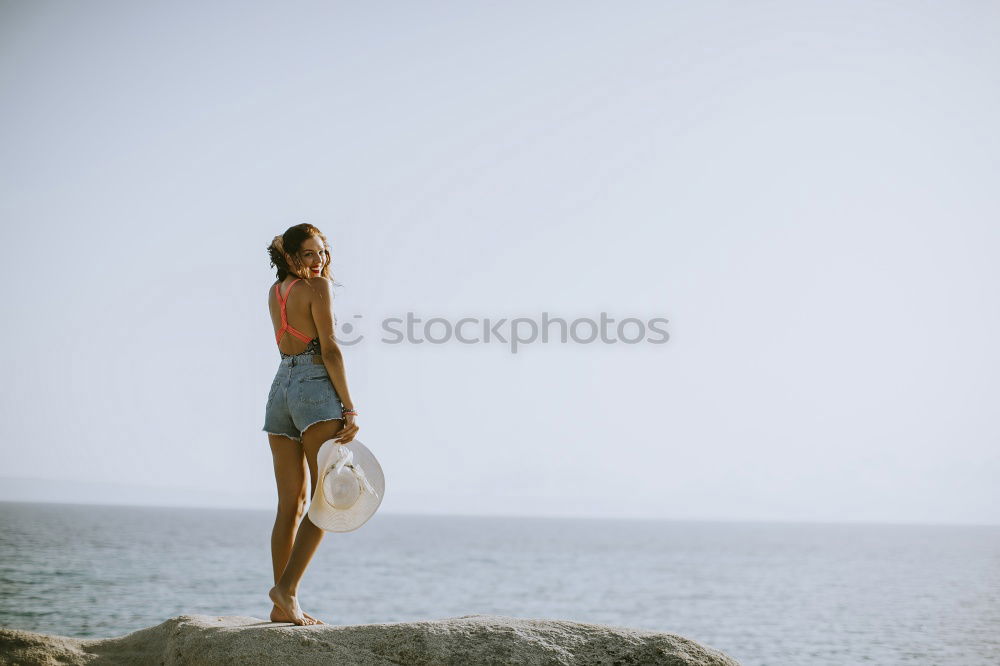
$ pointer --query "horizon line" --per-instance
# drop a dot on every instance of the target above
(530, 517)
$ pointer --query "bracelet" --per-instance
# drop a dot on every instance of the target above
(352, 412)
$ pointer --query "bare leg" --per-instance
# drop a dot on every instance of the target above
(290, 470)
(308, 537)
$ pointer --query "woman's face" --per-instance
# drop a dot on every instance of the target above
(312, 256)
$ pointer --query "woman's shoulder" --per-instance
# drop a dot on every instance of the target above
(320, 283)
(320, 289)
(316, 285)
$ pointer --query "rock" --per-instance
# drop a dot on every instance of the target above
(470, 640)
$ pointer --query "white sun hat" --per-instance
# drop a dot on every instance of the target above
(349, 489)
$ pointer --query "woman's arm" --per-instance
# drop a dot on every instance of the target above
(333, 358)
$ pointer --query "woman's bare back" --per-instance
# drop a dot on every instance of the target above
(298, 313)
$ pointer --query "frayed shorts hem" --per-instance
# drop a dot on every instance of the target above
(335, 418)
(299, 438)
(284, 434)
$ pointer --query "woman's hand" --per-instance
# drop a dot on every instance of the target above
(348, 431)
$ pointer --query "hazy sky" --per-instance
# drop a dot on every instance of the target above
(806, 191)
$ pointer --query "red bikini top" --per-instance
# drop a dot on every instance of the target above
(284, 319)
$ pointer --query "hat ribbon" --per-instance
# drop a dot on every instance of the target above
(345, 458)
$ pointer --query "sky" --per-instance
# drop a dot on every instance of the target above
(805, 192)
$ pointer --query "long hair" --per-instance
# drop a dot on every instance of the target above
(291, 242)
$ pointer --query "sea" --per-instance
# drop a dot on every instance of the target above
(767, 594)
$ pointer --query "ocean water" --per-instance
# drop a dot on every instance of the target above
(765, 593)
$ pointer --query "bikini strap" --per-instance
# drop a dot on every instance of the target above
(277, 291)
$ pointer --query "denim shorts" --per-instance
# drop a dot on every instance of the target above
(301, 395)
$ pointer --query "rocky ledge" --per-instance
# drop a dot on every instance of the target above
(467, 640)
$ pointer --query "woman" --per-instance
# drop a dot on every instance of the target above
(308, 404)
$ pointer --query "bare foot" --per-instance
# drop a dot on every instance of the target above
(278, 615)
(289, 604)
